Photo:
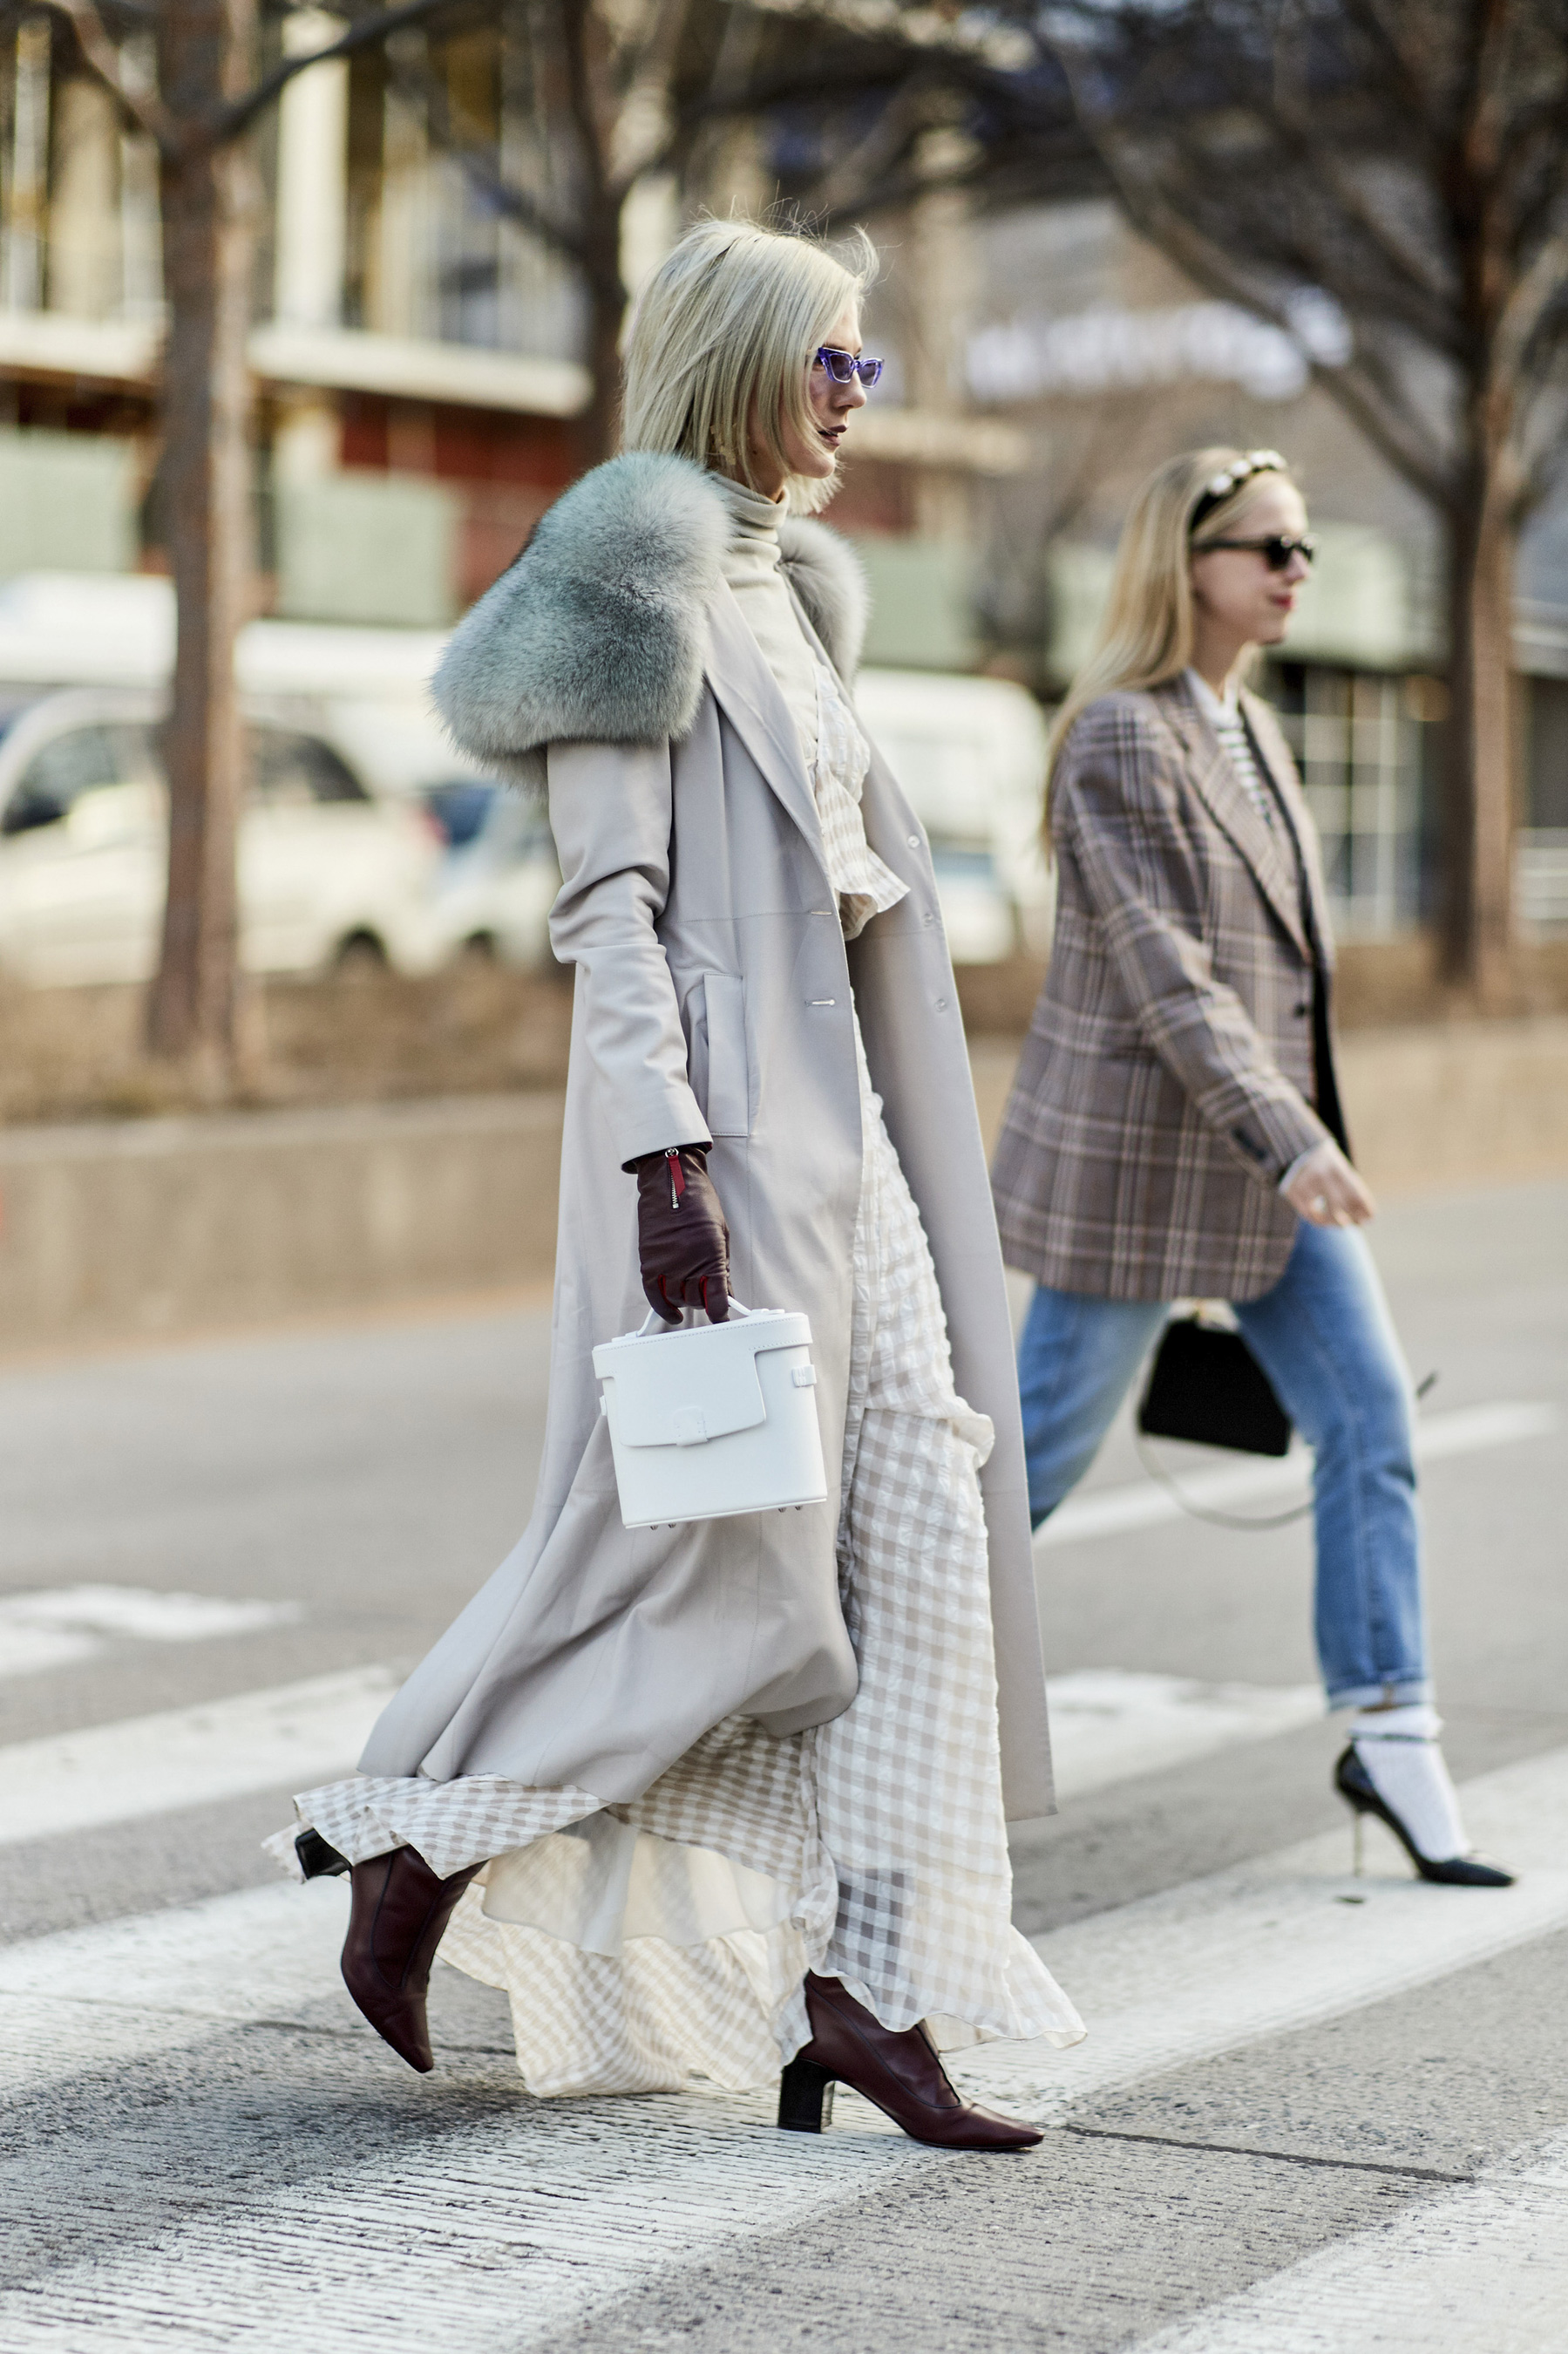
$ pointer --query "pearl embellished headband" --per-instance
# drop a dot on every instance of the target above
(1219, 486)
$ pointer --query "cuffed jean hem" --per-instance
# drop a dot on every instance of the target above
(1390, 1695)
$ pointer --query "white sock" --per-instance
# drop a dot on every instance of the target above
(1398, 1747)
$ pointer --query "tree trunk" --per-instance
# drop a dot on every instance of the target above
(600, 427)
(209, 206)
(1479, 784)
(602, 196)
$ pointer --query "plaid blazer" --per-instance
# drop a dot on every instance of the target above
(1180, 1041)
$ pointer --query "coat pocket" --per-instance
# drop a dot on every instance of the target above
(728, 1103)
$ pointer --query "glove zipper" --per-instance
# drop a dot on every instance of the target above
(677, 1178)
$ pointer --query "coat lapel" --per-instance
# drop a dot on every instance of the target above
(748, 693)
(1231, 807)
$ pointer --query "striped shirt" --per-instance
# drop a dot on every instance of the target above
(1226, 718)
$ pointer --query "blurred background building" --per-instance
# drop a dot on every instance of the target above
(422, 359)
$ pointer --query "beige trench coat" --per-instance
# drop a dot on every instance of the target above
(713, 1000)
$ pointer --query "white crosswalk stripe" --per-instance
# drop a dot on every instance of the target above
(516, 2226)
(510, 2231)
(1108, 1724)
(292, 1736)
(59, 1625)
(1286, 1939)
(1477, 2268)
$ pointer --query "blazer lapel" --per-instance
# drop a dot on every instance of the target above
(748, 693)
(1231, 806)
(1270, 742)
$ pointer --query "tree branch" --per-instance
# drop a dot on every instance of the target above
(639, 137)
(1388, 422)
(366, 32)
(143, 109)
(1532, 298)
(519, 203)
(1408, 263)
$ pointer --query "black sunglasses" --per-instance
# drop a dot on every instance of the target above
(843, 366)
(1276, 550)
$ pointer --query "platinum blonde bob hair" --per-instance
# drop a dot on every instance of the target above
(722, 342)
(1145, 635)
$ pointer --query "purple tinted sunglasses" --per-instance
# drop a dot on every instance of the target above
(843, 366)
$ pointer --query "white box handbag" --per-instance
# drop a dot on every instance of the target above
(710, 1420)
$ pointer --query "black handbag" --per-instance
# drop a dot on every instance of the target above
(1206, 1385)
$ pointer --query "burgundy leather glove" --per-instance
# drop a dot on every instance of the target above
(682, 1241)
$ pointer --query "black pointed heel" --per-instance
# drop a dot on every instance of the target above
(1360, 1794)
(805, 2097)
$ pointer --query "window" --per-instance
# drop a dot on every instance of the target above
(83, 761)
(1357, 741)
(293, 771)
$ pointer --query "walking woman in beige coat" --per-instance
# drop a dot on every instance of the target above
(1174, 1129)
(728, 1799)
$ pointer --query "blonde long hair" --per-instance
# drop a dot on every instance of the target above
(724, 335)
(1145, 635)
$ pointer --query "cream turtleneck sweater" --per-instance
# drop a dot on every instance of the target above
(751, 566)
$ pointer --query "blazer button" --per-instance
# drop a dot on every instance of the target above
(1302, 1012)
(914, 842)
(941, 1004)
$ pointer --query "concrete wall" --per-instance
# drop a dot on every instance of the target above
(164, 1226)
(110, 1231)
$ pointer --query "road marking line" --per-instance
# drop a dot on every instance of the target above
(1466, 1431)
(1482, 2266)
(517, 2226)
(509, 2231)
(293, 1736)
(58, 1625)
(1280, 1942)
(1219, 1961)
(1108, 1724)
(100, 1998)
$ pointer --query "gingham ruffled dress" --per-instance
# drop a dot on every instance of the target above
(645, 1943)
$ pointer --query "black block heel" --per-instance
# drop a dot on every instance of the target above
(805, 2097)
(318, 1858)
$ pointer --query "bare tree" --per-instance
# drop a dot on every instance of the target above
(207, 97)
(843, 96)
(630, 86)
(1387, 180)
(605, 79)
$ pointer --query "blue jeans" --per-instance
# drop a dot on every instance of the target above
(1326, 1340)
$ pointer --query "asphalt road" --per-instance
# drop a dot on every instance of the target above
(1312, 2111)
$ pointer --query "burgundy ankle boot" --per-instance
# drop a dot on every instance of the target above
(399, 1910)
(900, 2073)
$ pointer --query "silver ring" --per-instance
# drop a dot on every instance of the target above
(1320, 1203)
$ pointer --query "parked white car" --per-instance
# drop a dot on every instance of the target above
(327, 869)
(495, 892)
(970, 754)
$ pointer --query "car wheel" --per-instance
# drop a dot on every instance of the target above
(360, 957)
